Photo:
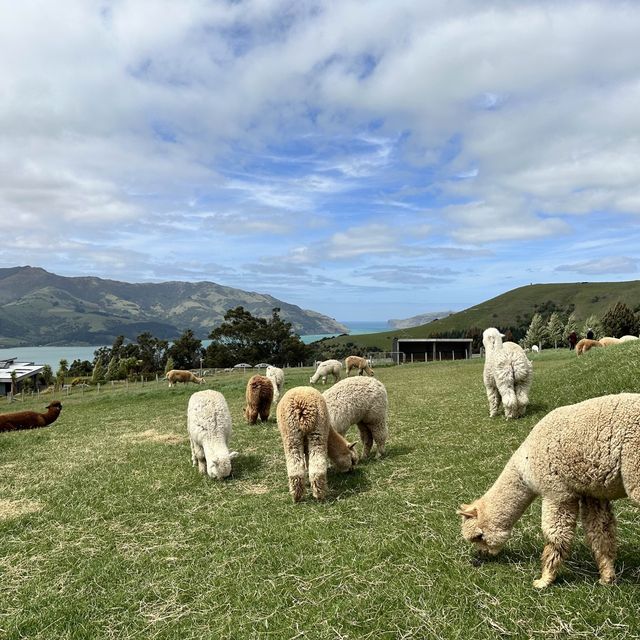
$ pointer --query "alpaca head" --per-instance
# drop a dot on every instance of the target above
(346, 460)
(220, 468)
(477, 528)
(492, 339)
(56, 405)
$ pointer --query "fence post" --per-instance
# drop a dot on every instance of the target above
(98, 387)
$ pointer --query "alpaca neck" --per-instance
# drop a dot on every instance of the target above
(509, 497)
(51, 415)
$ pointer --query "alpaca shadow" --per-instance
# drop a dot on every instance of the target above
(396, 451)
(345, 485)
(245, 466)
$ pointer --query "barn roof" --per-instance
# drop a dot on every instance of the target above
(22, 369)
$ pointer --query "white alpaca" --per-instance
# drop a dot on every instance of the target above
(209, 427)
(507, 376)
(328, 367)
(362, 401)
(276, 376)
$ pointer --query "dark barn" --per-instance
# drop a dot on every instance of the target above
(430, 349)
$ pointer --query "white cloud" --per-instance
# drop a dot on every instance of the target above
(608, 265)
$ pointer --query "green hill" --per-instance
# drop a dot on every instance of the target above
(514, 309)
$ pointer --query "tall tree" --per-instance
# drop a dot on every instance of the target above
(113, 370)
(151, 353)
(186, 351)
(98, 372)
(46, 375)
(555, 329)
(570, 326)
(62, 372)
(537, 332)
(243, 337)
(619, 320)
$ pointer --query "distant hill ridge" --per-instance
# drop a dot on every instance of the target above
(515, 308)
(416, 321)
(39, 308)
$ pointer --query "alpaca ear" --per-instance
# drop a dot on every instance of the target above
(352, 445)
(502, 335)
(233, 454)
(467, 511)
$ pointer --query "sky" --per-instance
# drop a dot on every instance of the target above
(366, 159)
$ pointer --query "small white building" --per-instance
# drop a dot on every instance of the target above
(24, 371)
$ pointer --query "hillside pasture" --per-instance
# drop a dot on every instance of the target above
(107, 531)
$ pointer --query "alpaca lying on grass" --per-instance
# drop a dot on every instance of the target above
(361, 401)
(22, 420)
(309, 441)
(608, 341)
(507, 375)
(258, 395)
(628, 338)
(578, 458)
(209, 427)
(178, 375)
(585, 344)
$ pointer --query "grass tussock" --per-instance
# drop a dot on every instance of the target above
(111, 533)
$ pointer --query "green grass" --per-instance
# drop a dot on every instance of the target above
(107, 531)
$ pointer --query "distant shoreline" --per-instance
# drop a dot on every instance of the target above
(52, 355)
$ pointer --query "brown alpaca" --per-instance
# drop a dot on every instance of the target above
(259, 396)
(585, 344)
(30, 419)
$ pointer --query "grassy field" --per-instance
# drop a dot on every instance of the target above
(106, 530)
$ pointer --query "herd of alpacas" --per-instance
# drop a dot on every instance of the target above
(578, 458)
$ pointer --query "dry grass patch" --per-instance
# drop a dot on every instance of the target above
(15, 508)
(151, 435)
(256, 489)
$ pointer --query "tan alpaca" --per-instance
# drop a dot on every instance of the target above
(578, 458)
(258, 396)
(608, 342)
(308, 441)
(361, 364)
(585, 344)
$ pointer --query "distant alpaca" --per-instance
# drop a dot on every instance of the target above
(258, 395)
(30, 419)
(608, 341)
(328, 367)
(585, 344)
(276, 375)
(507, 375)
(361, 364)
(178, 375)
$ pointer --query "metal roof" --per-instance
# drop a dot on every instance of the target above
(22, 369)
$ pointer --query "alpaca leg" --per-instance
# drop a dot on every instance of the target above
(198, 457)
(294, 454)
(367, 438)
(600, 531)
(558, 527)
(264, 413)
(509, 400)
(522, 397)
(494, 401)
(318, 466)
(380, 433)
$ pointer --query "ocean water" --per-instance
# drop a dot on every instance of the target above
(53, 355)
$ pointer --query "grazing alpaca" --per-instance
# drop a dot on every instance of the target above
(507, 375)
(30, 419)
(178, 375)
(328, 367)
(308, 441)
(585, 344)
(361, 401)
(259, 395)
(578, 458)
(209, 427)
(361, 364)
